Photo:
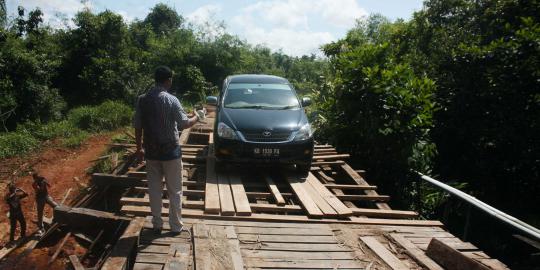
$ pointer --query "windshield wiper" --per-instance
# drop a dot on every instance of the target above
(288, 107)
(247, 107)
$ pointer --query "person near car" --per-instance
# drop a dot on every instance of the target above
(13, 199)
(159, 118)
(41, 188)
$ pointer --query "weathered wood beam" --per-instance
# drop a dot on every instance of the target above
(84, 218)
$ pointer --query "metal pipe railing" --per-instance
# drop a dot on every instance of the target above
(486, 208)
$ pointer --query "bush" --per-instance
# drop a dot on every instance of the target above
(109, 115)
(75, 140)
(50, 130)
(15, 143)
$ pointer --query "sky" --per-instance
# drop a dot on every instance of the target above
(296, 27)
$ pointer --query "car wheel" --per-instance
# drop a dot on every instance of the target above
(303, 169)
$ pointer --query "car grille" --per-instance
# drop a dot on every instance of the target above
(274, 137)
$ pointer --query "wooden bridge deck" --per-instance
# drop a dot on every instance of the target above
(262, 218)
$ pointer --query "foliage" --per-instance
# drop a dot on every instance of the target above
(109, 115)
(389, 105)
(16, 143)
(76, 139)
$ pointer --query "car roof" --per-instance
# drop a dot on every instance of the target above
(256, 78)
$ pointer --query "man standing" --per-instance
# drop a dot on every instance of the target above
(13, 199)
(158, 118)
(41, 187)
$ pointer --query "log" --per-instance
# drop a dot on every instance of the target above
(85, 218)
(450, 258)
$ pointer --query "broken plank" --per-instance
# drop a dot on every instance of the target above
(450, 258)
(360, 181)
(119, 256)
(323, 205)
(241, 202)
(417, 254)
(340, 208)
(388, 257)
(105, 179)
(274, 190)
(225, 195)
(306, 201)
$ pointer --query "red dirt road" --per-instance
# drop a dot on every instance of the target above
(59, 165)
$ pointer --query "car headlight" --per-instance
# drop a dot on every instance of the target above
(304, 133)
(226, 132)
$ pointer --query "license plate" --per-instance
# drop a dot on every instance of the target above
(266, 152)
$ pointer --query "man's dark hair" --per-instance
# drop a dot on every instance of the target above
(162, 74)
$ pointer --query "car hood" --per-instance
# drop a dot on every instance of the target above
(254, 120)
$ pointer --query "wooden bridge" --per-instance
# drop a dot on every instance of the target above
(264, 218)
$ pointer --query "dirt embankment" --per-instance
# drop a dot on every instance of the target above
(59, 165)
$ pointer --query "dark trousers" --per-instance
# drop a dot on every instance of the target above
(15, 216)
(41, 200)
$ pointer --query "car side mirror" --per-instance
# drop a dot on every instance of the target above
(211, 100)
(306, 101)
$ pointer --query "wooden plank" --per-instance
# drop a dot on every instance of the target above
(274, 190)
(331, 163)
(284, 231)
(302, 264)
(303, 196)
(279, 254)
(351, 187)
(383, 213)
(450, 258)
(360, 181)
(332, 200)
(354, 197)
(75, 263)
(269, 238)
(225, 196)
(311, 247)
(383, 253)
(331, 157)
(195, 213)
(211, 198)
(147, 266)
(59, 248)
(417, 254)
(323, 205)
(119, 256)
(259, 207)
(146, 202)
(105, 179)
(234, 249)
(241, 202)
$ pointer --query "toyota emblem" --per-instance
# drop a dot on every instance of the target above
(267, 133)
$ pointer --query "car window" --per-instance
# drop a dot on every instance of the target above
(260, 96)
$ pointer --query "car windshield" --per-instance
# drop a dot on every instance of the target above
(260, 96)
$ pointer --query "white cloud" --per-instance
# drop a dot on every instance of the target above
(292, 42)
(287, 24)
(342, 13)
(56, 13)
(204, 14)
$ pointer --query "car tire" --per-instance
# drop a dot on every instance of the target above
(303, 169)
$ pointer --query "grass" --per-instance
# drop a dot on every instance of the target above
(79, 124)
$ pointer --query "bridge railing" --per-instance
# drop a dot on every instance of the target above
(516, 224)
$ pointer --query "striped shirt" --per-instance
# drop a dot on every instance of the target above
(167, 119)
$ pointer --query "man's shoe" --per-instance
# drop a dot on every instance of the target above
(156, 231)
